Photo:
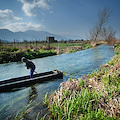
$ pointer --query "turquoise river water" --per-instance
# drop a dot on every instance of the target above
(74, 65)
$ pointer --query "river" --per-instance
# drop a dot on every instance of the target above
(73, 65)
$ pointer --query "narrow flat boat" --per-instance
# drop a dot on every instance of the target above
(26, 81)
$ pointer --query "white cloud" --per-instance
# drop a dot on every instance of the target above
(22, 26)
(35, 7)
(8, 21)
(27, 1)
(7, 16)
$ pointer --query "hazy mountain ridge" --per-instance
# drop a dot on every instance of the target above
(29, 35)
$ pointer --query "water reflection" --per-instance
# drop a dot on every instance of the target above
(32, 94)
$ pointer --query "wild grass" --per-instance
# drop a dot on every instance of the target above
(114, 60)
(23, 114)
(76, 105)
(95, 98)
(46, 99)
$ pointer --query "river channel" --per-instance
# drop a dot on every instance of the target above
(73, 65)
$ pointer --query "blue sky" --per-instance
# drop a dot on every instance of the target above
(63, 17)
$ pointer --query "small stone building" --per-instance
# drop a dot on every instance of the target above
(50, 39)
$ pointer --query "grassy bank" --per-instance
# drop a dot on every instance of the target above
(96, 97)
(70, 47)
(12, 52)
(92, 97)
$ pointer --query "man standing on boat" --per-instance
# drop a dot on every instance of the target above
(30, 65)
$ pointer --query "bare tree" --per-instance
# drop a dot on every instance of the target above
(102, 19)
(108, 34)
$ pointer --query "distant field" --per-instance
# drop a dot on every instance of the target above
(12, 52)
(45, 46)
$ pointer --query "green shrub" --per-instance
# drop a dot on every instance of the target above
(13, 54)
(117, 53)
(86, 46)
(4, 56)
(11, 49)
(28, 55)
(28, 50)
(14, 49)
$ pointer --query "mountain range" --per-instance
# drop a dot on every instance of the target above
(29, 35)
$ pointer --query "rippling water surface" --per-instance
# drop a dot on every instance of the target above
(73, 65)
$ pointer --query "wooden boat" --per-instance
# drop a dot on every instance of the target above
(26, 81)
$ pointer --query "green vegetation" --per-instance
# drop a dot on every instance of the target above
(73, 103)
(38, 53)
(86, 46)
(117, 45)
(71, 47)
(14, 54)
(8, 54)
(95, 98)
(46, 99)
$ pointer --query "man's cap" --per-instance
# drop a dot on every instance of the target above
(23, 59)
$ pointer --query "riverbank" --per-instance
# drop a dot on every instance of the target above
(14, 52)
(73, 65)
(95, 96)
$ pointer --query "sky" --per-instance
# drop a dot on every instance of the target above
(73, 18)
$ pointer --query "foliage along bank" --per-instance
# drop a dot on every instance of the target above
(14, 54)
(96, 97)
